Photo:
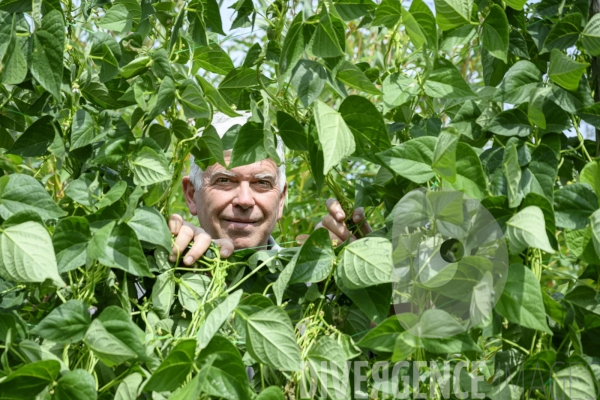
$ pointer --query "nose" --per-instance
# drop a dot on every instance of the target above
(244, 197)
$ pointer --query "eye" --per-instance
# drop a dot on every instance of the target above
(222, 180)
(264, 183)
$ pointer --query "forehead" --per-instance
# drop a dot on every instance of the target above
(260, 167)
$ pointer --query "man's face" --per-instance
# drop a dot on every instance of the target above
(242, 204)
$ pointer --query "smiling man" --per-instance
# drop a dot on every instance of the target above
(238, 208)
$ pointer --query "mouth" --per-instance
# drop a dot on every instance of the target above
(240, 222)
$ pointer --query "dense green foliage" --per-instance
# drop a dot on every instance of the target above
(100, 102)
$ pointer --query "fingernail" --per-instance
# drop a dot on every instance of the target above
(188, 260)
(225, 253)
(356, 218)
(339, 215)
(172, 258)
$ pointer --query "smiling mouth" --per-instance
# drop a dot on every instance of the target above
(240, 222)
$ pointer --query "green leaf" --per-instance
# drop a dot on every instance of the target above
(20, 192)
(334, 135)
(411, 159)
(521, 301)
(215, 98)
(128, 388)
(313, 262)
(513, 122)
(291, 132)
(174, 369)
(366, 262)
(192, 289)
(544, 170)
(518, 83)
(565, 71)
(107, 347)
(65, 324)
(85, 190)
(117, 19)
(118, 323)
(563, 34)
(397, 90)
(70, 240)
(367, 126)
(595, 226)
(590, 36)
(36, 139)
(76, 385)
(574, 204)
(12, 57)
(416, 34)
(213, 58)
(270, 339)
(82, 129)
(164, 98)
(48, 52)
(528, 229)
(516, 4)
(293, 45)
(225, 372)
(192, 101)
(447, 83)
(163, 294)
(150, 226)
(573, 382)
(136, 67)
(444, 155)
(149, 167)
(512, 172)
(388, 14)
(248, 147)
(373, 301)
(451, 14)
(495, 33)
(210, 148)
(113, 195)
(308, 79)
(353, 9)
(117, 246)
(324, 42)
(350, 75)
(383, 337)
(217, 317)
(328, 366)
(29, 380)
(271, 393)
(27, 254)
(426, 20)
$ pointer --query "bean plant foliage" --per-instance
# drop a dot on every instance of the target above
(101, 102)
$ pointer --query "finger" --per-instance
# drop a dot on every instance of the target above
(201, 244)
(226, 247)
(175, 223)
(184, 237)
(300, 239)
(335, 240)
(338, 228)
(335, 209)
(360, 220)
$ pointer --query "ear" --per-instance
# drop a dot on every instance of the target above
(282, 201)
(189, 192)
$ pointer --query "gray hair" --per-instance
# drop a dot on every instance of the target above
(222, 123)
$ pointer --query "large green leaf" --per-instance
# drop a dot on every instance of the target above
(12, 55)
(426, 20)
(107, 347)
(563, 34)
(174, 369)
(82, 129)
(291, 132)
(366, 262)
(470, 178)
(65, 324)
(444, 155)
(213, 58)
(151, 227)
(217, 317)
(149, 167)
(574, 382)
(163, 294)
(388, 13)
(417, 36)
(117, 246)
(373, 301)
(313, 262)
(48, 52)
(192, 101)
(565, 71)
(192, 289)
(495, 33)
(573, 205)
(117, 19)
(518, 83)
(451, 14)
(412, 159)
(19, 192)
(526, 229)
(398, 89)
(521, 302)
(590, 174)
(512, 173)
(590, 36)
(512, 122)
(327, 364)
(164, 98)
(447, 83)
(27, 254)
(249, 146)
(351, 76)
(325, 42)
(70, 240)
(308, 78)
(595, 226)
(76, 385)
(293, 45)
(36, 139)
(28, 381)
(335, 137)
(270, 339)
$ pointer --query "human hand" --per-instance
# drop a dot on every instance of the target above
(334, 222)
(185, 232)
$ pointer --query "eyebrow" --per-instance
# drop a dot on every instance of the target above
(234, 175)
